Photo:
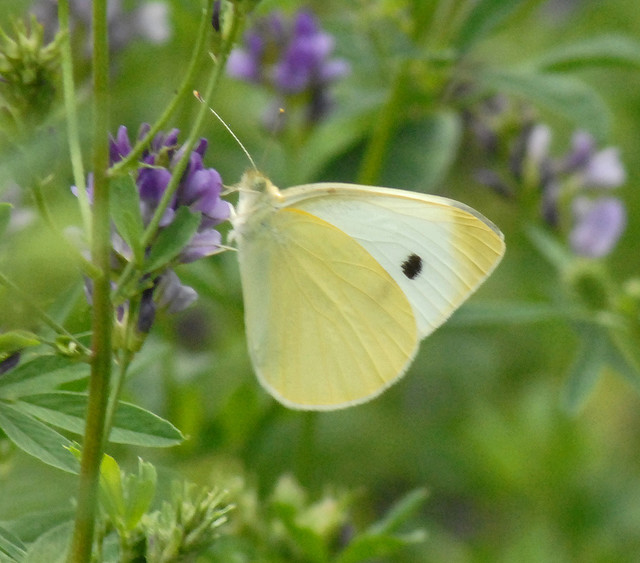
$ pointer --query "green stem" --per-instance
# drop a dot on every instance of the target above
(374, 156)
(176, 175)
(71, 104)
(123, 363)
(93, 445)
(182, 93)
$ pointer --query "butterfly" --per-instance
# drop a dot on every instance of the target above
(341, 282)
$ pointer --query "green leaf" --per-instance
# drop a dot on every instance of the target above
(16, 340)
(5, 216)
(140, 490)
(485, 17)
(172, 239)
(51, 546)
(337, 135)
(131, 425)
(374, 547)
(36, 439)
(586, 368)
(564, 95)
(111, 492)
(400, 512)
(32, 525)
(549, 247)
(125, 212)
(604, 50)
(11, 548)
(40, 374)
(506, 313)
(380, 539)
(421, 153)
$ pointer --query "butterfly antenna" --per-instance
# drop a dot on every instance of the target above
(244, 150)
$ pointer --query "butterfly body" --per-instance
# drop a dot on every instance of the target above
(341, 282)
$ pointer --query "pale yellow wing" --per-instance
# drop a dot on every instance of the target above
(327, 326)
(341, 282)
(436, 249)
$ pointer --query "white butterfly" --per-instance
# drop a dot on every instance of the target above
(341, 282)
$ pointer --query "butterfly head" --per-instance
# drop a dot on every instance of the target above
(257, 197)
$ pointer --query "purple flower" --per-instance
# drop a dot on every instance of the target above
(569, 189)
(199, 189)
(173, 295)
(596, 169)
(598, 225)
(292, 59)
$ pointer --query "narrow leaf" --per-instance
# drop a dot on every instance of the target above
(41, 374)
(36, 439)
(485, 17)
(400, 512)
(586, 368)
(11, 548)
(111, 492)
(604, 50)
(173, 239)
(140, 490)
(131, 425)
(125, 212)
(504, 313)
(17, 340)
(562, 94)
(368, 547)
(546, 244)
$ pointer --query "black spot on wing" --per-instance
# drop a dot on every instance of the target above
(412, 266)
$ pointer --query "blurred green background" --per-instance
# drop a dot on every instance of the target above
(478, 419)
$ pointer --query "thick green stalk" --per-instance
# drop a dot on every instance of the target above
(93, 445)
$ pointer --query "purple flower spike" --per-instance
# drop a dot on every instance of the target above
(293, 59)
(199, 189)
(598, 226)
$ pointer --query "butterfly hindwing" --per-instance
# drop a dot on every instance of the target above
(327, 326)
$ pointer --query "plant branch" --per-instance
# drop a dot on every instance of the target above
(93, 445)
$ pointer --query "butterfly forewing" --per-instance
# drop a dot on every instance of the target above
(437, 250)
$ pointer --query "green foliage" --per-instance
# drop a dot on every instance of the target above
(172, 240)
(125, 211)
(517, 414)
(289, 526)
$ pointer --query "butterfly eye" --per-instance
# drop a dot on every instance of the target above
(412, 266)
